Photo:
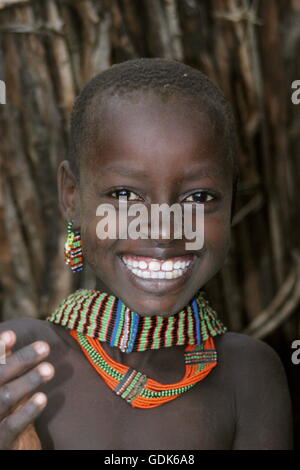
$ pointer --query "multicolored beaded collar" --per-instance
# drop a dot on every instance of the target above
(94, 316)
(106, 318)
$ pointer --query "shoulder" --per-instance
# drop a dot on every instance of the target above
(252, 367)
(263, 411)
(28, 330)
(238, 348)
(25, 326)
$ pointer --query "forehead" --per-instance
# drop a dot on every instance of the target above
(153, 133)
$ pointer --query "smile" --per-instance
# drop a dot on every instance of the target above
(153, 268)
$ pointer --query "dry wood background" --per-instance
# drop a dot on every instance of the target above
(50, 48)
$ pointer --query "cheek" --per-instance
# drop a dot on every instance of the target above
(217, 236)
(96, 251)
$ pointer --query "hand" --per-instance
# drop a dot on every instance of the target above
(18, 409)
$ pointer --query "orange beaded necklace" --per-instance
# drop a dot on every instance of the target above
(136, 388)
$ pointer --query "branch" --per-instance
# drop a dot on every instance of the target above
(239, 14)
(281, 307)
(12, 3)
(253, 205)
(21, 28)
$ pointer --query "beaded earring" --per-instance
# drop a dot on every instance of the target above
(73, 249)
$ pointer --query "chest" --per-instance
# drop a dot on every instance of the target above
(84, 413)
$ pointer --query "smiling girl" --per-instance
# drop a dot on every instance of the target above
(142, 361)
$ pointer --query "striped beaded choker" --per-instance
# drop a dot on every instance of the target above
(106, 318)
(93, 317)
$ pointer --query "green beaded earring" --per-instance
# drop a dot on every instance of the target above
(73, 249)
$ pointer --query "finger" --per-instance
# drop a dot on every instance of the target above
(12, 426)
(12, 392)
(21, 360)
(8, 339)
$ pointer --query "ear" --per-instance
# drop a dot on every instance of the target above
(68, 193)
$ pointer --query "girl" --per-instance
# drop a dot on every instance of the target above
(142, 361)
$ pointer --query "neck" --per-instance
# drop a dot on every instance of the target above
(104, 317)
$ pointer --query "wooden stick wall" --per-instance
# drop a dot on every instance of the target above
(49, 49)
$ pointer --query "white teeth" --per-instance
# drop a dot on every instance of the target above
(143, 274)
(154, 266)
(142, 264)
(167, 266)
(156, 269)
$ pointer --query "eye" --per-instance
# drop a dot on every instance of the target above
(200, 197)
(125, 193)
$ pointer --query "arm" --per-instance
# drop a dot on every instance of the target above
(263, 404)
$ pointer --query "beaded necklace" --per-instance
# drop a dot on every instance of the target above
(93, 316)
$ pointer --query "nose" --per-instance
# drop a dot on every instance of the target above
(165, 223)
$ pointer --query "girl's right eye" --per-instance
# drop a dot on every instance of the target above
(125, 193)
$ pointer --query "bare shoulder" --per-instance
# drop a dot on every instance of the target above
(263, 412)
(243, 351)
(253, 369)
(29, 330)
(249, 363)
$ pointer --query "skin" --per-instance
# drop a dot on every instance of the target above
(244, 402)
(158, 167)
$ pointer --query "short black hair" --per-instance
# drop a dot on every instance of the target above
(168, 79)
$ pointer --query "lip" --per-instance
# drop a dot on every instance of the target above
(159, 254)
(188, 257)
(159, 286)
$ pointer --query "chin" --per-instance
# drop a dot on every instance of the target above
(164, 305)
